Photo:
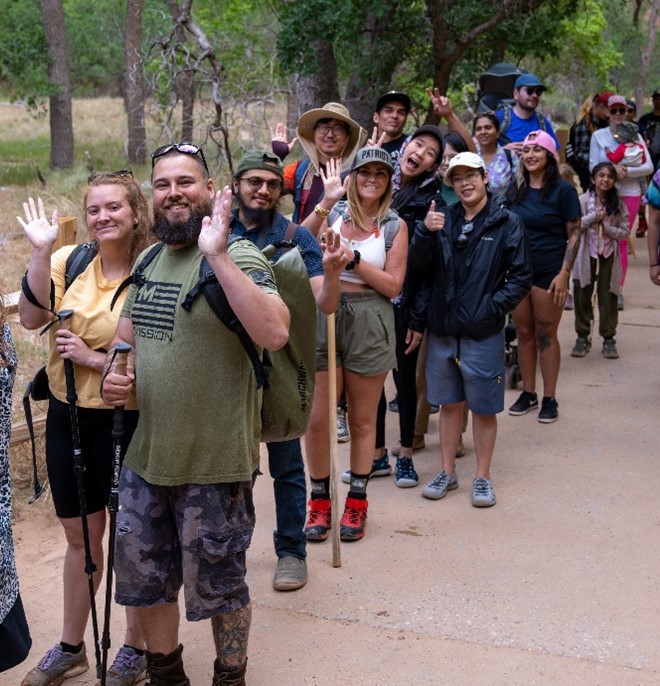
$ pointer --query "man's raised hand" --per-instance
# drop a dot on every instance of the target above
(214, 235)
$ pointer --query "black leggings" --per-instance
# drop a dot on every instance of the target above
(406, 388)
(95, 427)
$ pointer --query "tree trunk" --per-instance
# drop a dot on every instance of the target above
(134, 84)
(647, 56)
(314, 90)
(61, 116)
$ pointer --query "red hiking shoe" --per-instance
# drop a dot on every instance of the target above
(319, 519)
(354, 520)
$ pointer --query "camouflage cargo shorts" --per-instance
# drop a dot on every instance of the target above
(195, 535)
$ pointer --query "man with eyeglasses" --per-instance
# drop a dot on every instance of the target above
(519, 120)
(257, 186)
(186, 506)
(476, 256)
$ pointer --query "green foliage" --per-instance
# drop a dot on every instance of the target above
(23, 50)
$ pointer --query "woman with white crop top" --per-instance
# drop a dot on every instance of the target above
(376, 241)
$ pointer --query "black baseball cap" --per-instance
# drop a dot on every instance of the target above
(393, 96)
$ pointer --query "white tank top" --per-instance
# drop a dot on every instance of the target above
(372, 250)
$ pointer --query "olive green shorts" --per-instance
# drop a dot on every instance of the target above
(364, 334)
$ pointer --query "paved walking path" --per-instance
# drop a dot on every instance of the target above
(557, 584)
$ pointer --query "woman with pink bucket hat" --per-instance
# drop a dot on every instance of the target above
(550, 210)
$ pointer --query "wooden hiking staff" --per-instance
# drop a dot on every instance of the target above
(332, 419)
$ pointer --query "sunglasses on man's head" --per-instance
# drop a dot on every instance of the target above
(617, 110)
(184, 148)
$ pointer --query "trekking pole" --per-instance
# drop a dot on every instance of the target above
(64, 317)
(332, 419)
(38, 486)
(121, 355)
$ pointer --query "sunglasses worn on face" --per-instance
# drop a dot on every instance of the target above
(255, 183)
(462, 240)
(119, 174)
(184, 148)
(617, 110)
(535, 91)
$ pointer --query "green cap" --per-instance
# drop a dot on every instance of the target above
(260, 160)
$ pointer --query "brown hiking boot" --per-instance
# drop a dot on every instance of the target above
(166, 670)
(226, 677)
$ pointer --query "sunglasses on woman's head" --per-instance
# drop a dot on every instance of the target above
(184, 148)
(119, 174)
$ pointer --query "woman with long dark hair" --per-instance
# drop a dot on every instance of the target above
(604, 228)
(118, 220)
(501, 164)
(550, 210)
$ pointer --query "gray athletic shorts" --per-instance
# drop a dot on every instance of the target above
(364, 334)
(195, 535)
(459, 369)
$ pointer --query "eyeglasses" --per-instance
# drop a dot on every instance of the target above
(256, 182)
(184, 148)
(535, 91)
(119, 174)
(325, 129)
(462, 240)
(617, 110)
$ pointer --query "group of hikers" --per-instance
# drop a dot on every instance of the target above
(420, 247)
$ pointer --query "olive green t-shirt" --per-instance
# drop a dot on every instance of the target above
(199, 406)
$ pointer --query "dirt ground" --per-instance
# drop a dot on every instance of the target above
(557, 584)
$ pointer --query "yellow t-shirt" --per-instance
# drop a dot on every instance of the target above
(89, 296)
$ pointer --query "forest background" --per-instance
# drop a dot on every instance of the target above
(222, 73)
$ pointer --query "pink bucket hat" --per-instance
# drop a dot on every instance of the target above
(545, 140)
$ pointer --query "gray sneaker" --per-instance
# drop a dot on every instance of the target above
(581, 348)
(291, 574)
(482, 492)
(56, 666)
(343, 435)
(609, 349)
(128, 668)
(438, 488)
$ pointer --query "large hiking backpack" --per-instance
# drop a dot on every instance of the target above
(286, 375)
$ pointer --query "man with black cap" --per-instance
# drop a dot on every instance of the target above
(390, 117)
(257, 186)
(520, 120)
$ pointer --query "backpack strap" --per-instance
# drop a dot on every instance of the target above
(137, 277)
(509, 157)
(391, 229)
(79, 259)
(208, 285)
(505, 124)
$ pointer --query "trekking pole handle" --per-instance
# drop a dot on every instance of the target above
(121, 352)
(65, 319)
